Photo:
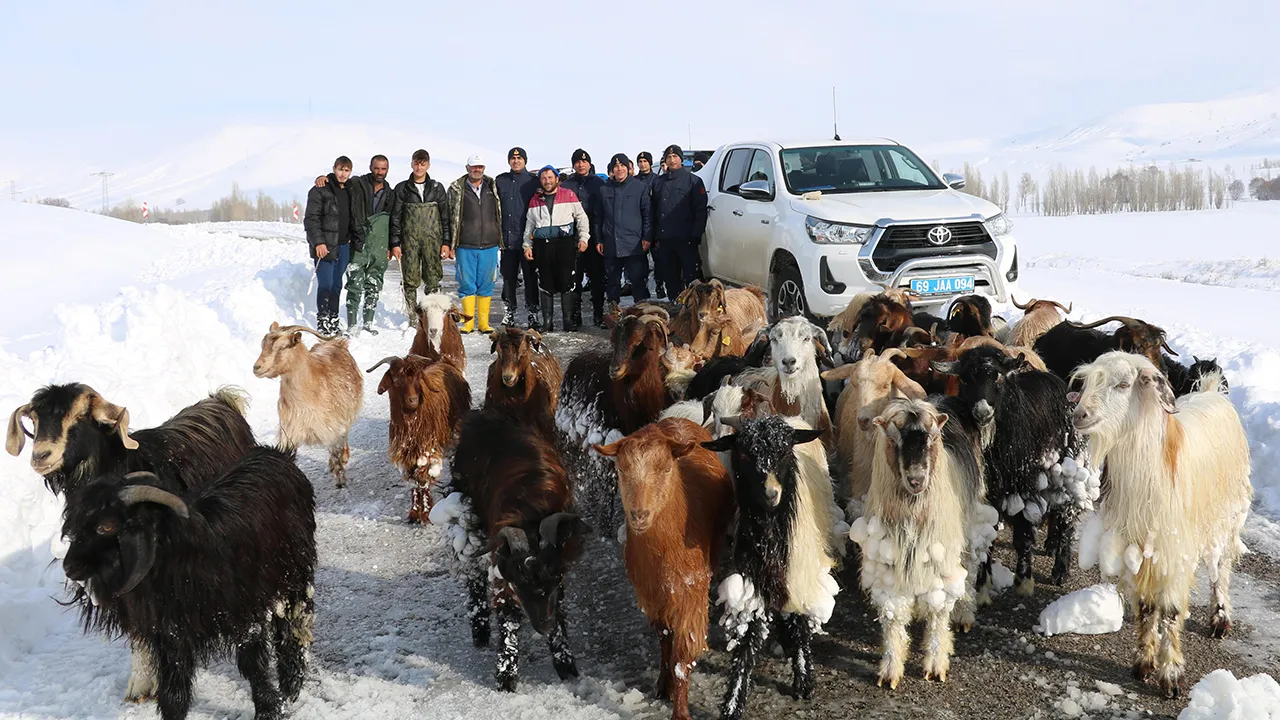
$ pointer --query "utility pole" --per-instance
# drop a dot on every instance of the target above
(13, 191)
(105, 197)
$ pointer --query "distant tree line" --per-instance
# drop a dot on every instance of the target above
(238, 206)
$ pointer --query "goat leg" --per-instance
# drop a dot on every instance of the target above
(507, 610)
(1060, 542)
(558, 642)
(1170, 672)
(1148, 621)
(664, 666)
(741, 664)
(800, 628)
(1024, 539)
(1220, 589)
(293, 633)
(896, 643)
(417, 513)
(253, 658)
(142, 675)
(939, 644)
(338, 457)
(478, 587)
(176, 675)
(983, 582)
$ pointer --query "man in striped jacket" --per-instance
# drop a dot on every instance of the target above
(556, 230)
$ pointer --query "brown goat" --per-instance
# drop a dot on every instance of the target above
(321, 391)
(428, 398)
(637, 387)
(438, 320)
(524, 379)
(877, 322)
(701, 300)
(681, 364)
(679, 501)
(719, 334)
(1038, 316)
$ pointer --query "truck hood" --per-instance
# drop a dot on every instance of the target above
(871, 208)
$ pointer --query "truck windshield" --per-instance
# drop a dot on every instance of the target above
(856, 168)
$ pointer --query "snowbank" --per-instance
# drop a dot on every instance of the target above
(1089, 611)
(1220, 696)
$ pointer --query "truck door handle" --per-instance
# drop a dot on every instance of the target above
(738, 213)
(764, 222)
(711, 208)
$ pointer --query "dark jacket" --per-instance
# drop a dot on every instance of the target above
(321, 219)
(362, 201)
(587, 188)
(515, 190)
(647, 179)
(477, 221)
(622, 215)
(679, 206)
(407, 194)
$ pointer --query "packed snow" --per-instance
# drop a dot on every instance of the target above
(169, 314)
(1088, 611)
(1220, 696)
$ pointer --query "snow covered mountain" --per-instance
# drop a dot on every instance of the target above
(280, 160)
(1237, 129)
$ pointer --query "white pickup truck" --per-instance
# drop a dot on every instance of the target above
(816, 223)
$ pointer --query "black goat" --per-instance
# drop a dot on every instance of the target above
(774, 466)
(1066, 346)
(196, 574)
(970, 316)
(1185, 380)
(1033, 457)
(523, 505)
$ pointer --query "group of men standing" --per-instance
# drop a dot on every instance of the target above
(563, 234)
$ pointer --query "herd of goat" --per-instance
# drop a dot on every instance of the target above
(740, 450)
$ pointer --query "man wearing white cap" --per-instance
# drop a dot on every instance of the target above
(476, 212)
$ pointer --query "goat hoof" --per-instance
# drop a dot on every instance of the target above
(891, 681)
(1219, 626)
(507, 683)
(567, 671)
(1171, 686)
(139, 698)
(1059, 578)
(1027, 587)
(480, 640)
(1142, 670)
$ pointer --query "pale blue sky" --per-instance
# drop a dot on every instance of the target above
(108, 82)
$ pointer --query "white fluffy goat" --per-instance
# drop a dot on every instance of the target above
(1179, 492)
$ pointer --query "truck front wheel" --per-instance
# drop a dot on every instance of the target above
(786, 296)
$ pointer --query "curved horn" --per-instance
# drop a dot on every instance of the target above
(892, 353)
(514, 538)
(305, 329)
(733, 421)
(1066, 309)
(1168, 349)
(1128, 321)
(1020, 306)
(134, 494)
(945, 367)
(17, 435)
(388, 359)
(549, 528)
(534, 336)
(659, 323)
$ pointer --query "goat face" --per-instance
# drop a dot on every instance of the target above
(708, 299)
(984, 375)
(110, 525)
(798, 345)
(970, 315)
(71, 424)
(515, 349)
(683, 358)
(875, 325)
(763, 458)
(1116, 391)
(647, 473)
(633, 338)
(912, 430)
(533, 564)
(410, 381)
(276, 345)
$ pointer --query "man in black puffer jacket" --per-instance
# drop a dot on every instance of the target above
(584, 183)
(622, 214)
(334, 225)
(516, 188)
(679, 217)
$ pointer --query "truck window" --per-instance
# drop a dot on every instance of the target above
(735, 169)
(761, 168)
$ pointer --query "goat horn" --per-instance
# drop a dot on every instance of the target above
(892, 353)
(305, 329)
(1128, 321)
(1066, 309)
(1168, 349)
(388, 359)
(1016, 304)
(732, 421)
(549, 528)
(515, 539)
(134, 494)
(533, 335)
(947, 367)
(17, 435)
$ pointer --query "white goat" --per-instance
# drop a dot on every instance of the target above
(793, 385)
(321, 391)
(438, 319)
(918, 546)
(1178, 494)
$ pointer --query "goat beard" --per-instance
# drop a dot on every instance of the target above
(988, 432)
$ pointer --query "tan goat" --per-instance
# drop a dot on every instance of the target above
(321, 391)
(1038, 317)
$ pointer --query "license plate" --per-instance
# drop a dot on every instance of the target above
(939, 286)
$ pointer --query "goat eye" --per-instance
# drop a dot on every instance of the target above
(1122, 386)
(107, 528)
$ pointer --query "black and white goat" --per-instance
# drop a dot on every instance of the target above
(193, 574)
(792, 381)
(782, 549)
(1034, 461)
(77, 436)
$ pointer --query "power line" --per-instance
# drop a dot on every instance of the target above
(105, 196)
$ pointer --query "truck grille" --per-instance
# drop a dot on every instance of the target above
(901, 243)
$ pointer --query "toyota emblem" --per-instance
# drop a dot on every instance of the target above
(940, 235)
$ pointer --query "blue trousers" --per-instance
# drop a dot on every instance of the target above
(476, 271)
(675, 263)
(329, 273)
(637, 270)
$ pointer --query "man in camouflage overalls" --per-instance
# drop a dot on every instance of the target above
(420, 232)
(364, 275)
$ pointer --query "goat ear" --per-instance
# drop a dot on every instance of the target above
(117, 417)
(721, 444)
(275, 326)
(295, 338)
(610, 450)
(800, 437)
(535, 339)
(385, 383)
(17, 435)
(493, 336)
(941, 419)
(841, 373)
(1163, 391)
(680, 449)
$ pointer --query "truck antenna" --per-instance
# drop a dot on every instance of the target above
(834, 125)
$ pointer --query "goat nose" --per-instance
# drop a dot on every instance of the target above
(789, 362)
(1080, 414)
(773, 494)
(640, 517)
(40, 457)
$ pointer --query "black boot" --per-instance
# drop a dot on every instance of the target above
(547, 302)
(597, 314)
(577, 311)
(567, 302)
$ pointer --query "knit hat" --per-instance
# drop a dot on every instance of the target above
(581, 154)
(673, 150)
(701, 157)
(517, 152)
(619, 158)
(645, 155)
(545, 168)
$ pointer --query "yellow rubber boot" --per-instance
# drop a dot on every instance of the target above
(482, 314)
(469, 309)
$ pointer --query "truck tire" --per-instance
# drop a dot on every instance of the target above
(786, 292)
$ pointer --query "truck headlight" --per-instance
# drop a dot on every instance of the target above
(999, 225)
(832, 233)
